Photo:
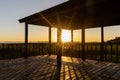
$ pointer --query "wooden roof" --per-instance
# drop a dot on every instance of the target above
(75, 14)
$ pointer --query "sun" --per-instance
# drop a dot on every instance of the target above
(66, 36)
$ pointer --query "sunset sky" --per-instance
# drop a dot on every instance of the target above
(13, 10)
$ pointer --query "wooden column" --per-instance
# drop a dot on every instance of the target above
(59, 41)
(49, 41)
(59, 47)
(26, 40)
(83, 43)
(102, 44)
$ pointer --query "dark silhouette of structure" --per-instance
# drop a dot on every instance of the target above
(76, 14)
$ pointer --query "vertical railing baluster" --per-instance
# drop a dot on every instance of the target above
(42, 49)
(91, 50)
(111, 52)
(79, 52)
(35, 48)
(39, 48)
(87, 51)
(117, 53)
(105, 51)
(3, 45)
(20, 49)
(96, 51)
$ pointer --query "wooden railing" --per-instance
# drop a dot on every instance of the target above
(92, 50)
(111, 52)
(16, 50)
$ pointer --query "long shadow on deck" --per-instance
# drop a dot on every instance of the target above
(44, 68)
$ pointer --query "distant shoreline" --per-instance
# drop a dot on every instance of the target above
(42, 42)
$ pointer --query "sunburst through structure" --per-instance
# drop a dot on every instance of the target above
(66, 36)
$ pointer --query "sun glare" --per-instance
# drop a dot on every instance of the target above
(66, 36)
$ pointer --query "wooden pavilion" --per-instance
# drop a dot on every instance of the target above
(73, 15)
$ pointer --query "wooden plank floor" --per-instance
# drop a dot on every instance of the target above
(44, 68)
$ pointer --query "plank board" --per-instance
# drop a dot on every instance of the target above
(44, 68)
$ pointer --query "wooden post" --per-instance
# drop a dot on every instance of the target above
(102, 44)
(59, 47)
(49, 41)
(59, 41)
(26, 40)
(83, 43)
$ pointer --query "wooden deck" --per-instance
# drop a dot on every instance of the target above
(44, 68)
